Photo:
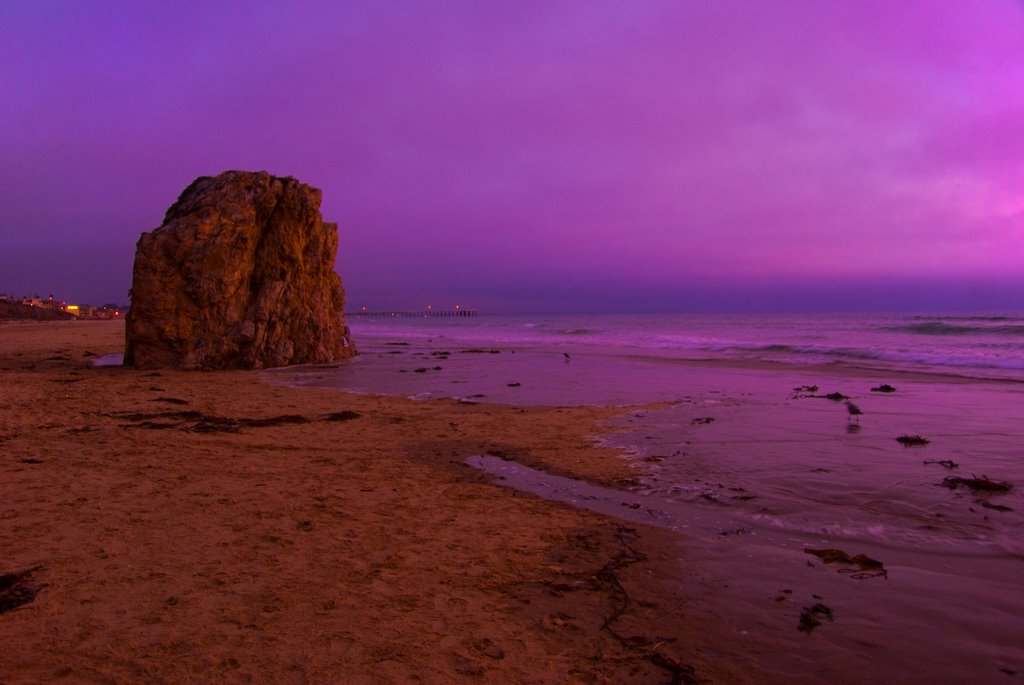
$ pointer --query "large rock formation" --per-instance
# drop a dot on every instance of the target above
(239, 276)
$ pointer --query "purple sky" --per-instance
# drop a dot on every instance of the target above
(538, 156)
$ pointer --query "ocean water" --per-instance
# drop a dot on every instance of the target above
(752, 468)
(973, 345)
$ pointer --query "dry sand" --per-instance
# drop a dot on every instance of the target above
(173, 537)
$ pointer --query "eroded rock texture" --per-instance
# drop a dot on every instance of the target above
(239, 276)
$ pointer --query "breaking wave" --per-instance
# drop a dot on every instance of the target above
(940, 328)
(802, 354)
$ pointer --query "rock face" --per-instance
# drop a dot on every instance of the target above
(239, 276)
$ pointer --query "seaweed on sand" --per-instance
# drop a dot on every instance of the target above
(341, 416)
(866, 566)
(982, 485)
(948, 463)
(810, 617)
(17, 589)
(196, 422)
(170, 400)
(912, 440)
(604, 582)
(802, 391)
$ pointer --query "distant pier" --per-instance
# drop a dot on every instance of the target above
(408, 315)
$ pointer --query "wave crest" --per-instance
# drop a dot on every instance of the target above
(940, 328)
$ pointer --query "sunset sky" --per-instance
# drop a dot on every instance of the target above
(536, 156)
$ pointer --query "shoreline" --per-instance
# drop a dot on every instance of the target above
(751, 473)
(361, 550)
(533, 375)
(870, 345)
(716, 580)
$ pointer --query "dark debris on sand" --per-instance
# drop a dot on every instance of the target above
(884, 387)
(948, 463)
(912, 440)
(866, 567)
(18, 588)
(196, 422)
(982, 485)
(811, 617)
(606, 578)
(341, 416)
(804, 391)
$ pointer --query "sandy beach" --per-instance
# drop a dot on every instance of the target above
(754, 469)
(501, 343)
(167, 529)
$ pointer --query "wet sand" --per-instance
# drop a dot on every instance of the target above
(185, 527)
(752, 473)
(189, 527)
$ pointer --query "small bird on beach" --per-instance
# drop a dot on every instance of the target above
(566, 356)
(853, 410)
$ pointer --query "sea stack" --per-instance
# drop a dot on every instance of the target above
(239, 276)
